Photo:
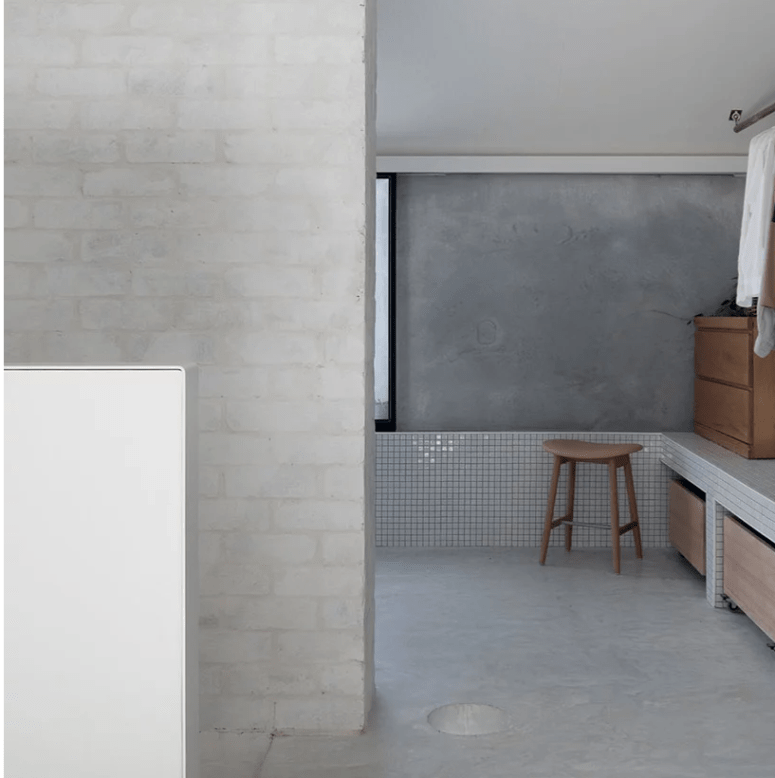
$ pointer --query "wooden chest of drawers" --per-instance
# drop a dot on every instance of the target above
(734, 390)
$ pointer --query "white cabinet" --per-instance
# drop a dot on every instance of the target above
(100, 572)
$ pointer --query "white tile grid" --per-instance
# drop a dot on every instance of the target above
(714, 552)
(482, 489)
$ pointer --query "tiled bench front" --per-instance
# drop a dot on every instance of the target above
(744, 488)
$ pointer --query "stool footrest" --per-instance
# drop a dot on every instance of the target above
(627, 527)
(595, 524)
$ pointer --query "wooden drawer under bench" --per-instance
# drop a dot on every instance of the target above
(749, 574)
(687, 523)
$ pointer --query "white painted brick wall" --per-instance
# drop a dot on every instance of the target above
(193, 182)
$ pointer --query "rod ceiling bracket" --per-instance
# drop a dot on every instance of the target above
(742, 124)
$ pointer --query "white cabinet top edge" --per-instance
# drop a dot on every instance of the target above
(184, 368)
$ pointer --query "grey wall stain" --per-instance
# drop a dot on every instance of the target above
(487, 332)
(543, 302)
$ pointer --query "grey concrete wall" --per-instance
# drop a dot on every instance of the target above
(548, 302)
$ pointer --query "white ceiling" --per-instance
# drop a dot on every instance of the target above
(571, 77)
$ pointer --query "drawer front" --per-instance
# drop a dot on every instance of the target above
(687, 525)
(723, 408)
(724, 356)
(749, 574)
(732, 444)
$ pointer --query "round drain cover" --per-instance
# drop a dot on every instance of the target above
(468, 718)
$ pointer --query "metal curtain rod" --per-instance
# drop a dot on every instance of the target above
(739, 126)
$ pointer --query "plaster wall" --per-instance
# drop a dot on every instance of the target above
(192, 182)
(557, 302)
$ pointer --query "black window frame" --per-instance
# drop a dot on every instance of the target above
(389, 424)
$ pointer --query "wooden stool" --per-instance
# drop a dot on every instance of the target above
(611, 454)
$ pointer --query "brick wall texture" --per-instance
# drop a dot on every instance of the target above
(191, 182)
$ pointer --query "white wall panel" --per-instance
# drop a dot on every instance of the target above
(101, 573)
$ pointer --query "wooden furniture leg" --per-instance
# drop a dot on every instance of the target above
(633, 506)
(614, 515)
(571, 495)
(550, 508)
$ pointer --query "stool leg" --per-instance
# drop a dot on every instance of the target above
(614, 515)
(633, 506)
(550, 508)
(571, 494)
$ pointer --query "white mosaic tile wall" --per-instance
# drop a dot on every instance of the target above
(491, 488)
(714, 551)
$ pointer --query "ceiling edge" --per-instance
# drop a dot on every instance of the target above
(653, 165)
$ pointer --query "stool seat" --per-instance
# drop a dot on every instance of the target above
(584, 451)
(613, 456)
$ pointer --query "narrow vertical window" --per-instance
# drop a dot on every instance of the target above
(384, 327)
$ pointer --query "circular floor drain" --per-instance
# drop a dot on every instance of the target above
(468, 718)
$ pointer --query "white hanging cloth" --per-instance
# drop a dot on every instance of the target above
(754, 276)
(765, 310)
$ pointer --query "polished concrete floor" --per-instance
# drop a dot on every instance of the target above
(601, 675)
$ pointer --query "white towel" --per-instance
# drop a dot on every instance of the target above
(765, 308)
(765, 323)
(757, 216)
